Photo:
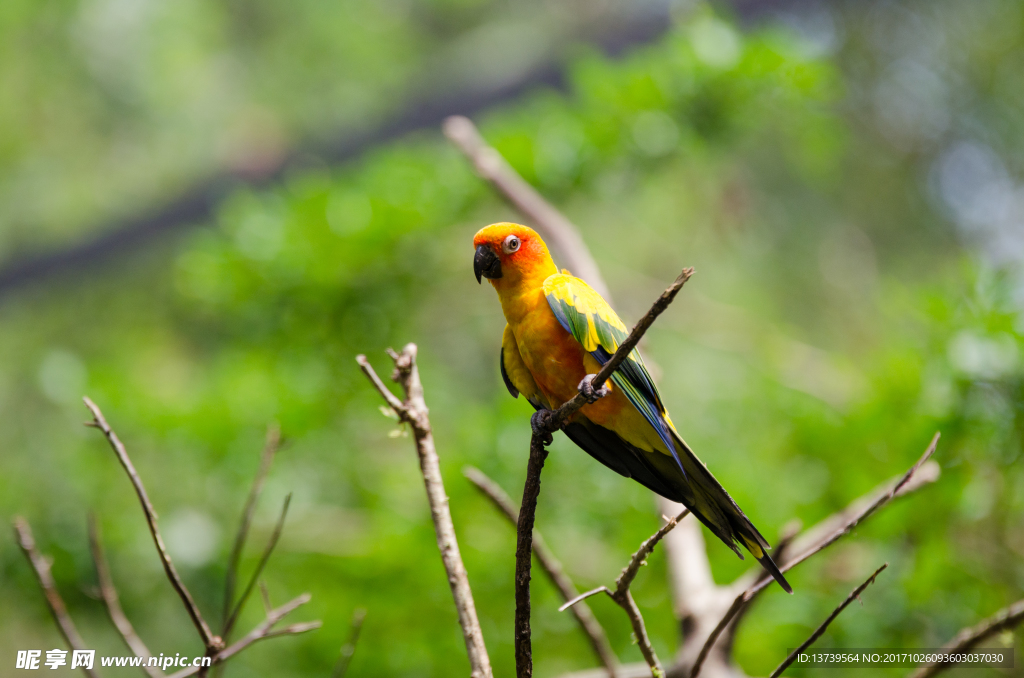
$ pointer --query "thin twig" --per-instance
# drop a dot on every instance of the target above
(749, 594)
(212, 642)
(349, 648)
(270, 448)
(553, 568)
(855, 594)
(113, 603)
(414, 411)
(624, 598)
(1007, 618)
(552, 224)
(265, 595)
(274, 537)
(41, 566)
(262, 631)
(640, 557)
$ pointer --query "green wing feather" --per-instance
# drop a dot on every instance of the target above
(592, 322)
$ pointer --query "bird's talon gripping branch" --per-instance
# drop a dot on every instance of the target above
(540, 422)
(586, 387)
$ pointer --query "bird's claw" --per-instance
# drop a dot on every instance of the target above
(539, 422)
(586, 387)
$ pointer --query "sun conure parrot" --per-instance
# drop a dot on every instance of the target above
(560, 331)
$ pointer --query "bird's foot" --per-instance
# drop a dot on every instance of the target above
(592, 394)
(540, 422)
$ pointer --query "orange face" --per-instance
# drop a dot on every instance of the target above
(508, 250)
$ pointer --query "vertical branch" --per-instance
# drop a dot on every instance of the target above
(414, 412)
(41, 566)
(212, 642)
(553, 568)
(113, 603)
(349, 648)
(270, 448)
(524, 551)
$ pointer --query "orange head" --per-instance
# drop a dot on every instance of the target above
(508, 254)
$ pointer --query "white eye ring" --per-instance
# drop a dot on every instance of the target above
(511, 244)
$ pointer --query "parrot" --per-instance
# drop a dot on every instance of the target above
(558, 334)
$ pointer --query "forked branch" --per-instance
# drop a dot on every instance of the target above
(413, 411)
(624, 599)
(262, 631)
(213, 643)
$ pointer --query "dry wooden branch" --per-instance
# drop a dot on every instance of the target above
(551, 223)
(262, 631)
(824, 625)
(413, 410)
(270, 448)
(41, 567)
(113, 603)
(213, 643)
(349, 648)
(746, 596)
(1007, 618)
(268, 549)
(624, 599)
(524, 548)
(639, 558)
(553, 568)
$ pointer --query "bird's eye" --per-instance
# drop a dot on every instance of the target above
(511, 244)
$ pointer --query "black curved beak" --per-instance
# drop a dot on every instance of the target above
(486, 263)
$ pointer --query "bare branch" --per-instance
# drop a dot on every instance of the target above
(553, 568)
(385, 392)
(1007, 618)
(267, 550)
(563, 413)
(414, 411)
(640, 557)
(211, 641)
(749, 594)
(573, 602)
(113, 603)
(261, 632)
(270, 448)
(555, 228)
(855, 594)
(41, 566)
(349, 648)
(524, 547)
(624, 599)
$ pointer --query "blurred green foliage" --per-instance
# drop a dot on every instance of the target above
(835, 322)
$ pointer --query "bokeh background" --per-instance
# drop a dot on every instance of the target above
(207, 209)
